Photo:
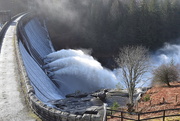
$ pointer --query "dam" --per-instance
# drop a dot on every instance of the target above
(43, 94)
(12, 105)
(27, 56)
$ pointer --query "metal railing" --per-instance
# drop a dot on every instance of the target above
(142, 116)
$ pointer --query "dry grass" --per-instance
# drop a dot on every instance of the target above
(161, 98)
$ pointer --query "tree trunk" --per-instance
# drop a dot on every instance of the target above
(131, 103)
(168, 84)
(131, 97)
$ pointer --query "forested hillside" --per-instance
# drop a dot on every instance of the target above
(15, 6)
(106, 25)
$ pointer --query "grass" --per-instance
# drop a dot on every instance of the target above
(167, 119)
(177, 118)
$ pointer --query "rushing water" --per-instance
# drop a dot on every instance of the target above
(73, 70)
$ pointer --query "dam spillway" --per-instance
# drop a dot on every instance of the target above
(43, 94)
(44, 88)
(73, 72)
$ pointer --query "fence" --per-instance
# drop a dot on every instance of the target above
(142, 116)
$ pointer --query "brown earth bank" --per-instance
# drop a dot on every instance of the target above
(160, 97)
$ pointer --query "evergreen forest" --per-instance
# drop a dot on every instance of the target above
(107, 25)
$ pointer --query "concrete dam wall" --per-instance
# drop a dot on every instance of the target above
(44, 88)
(43, 93)
(71, 97)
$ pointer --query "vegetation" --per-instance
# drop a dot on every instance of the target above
(107, 25)
(134, 64)
(146, 98)
(115, 106)
(166, 73)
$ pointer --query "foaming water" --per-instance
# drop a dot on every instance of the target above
(73, 70)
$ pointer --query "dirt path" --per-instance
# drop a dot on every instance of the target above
(12, 105)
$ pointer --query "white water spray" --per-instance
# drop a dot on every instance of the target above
(163, 55)
(73, 70)
(166, 54)
(62, 54)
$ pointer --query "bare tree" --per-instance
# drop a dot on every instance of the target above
(166, 73)
(134, 63)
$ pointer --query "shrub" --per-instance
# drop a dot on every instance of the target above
(166, 73)
(146, 98)
(115, 106)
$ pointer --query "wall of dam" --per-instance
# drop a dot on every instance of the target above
(43, 94)
(12, 101)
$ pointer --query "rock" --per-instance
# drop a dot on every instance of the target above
(78, 118)
(96, 117)
(82, 107)
(72, 117)
(101, 95)
(64, 116)
(77, 95)
(86, 117)
(92, 110)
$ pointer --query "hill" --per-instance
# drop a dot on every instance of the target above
(157, 98)
(160, 98)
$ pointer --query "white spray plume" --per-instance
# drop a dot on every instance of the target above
(63, 54)
(163, 55)
(70, 61)
(63, 10)
(74, 70)
(166, 54)
(80, 71)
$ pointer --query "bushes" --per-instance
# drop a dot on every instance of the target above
(115, 106)
(146, 98)
(166, 73)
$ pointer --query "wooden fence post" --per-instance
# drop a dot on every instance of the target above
(122, 116)
(163, 100)
(139, 116)
(164, 114)
(111, 113)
